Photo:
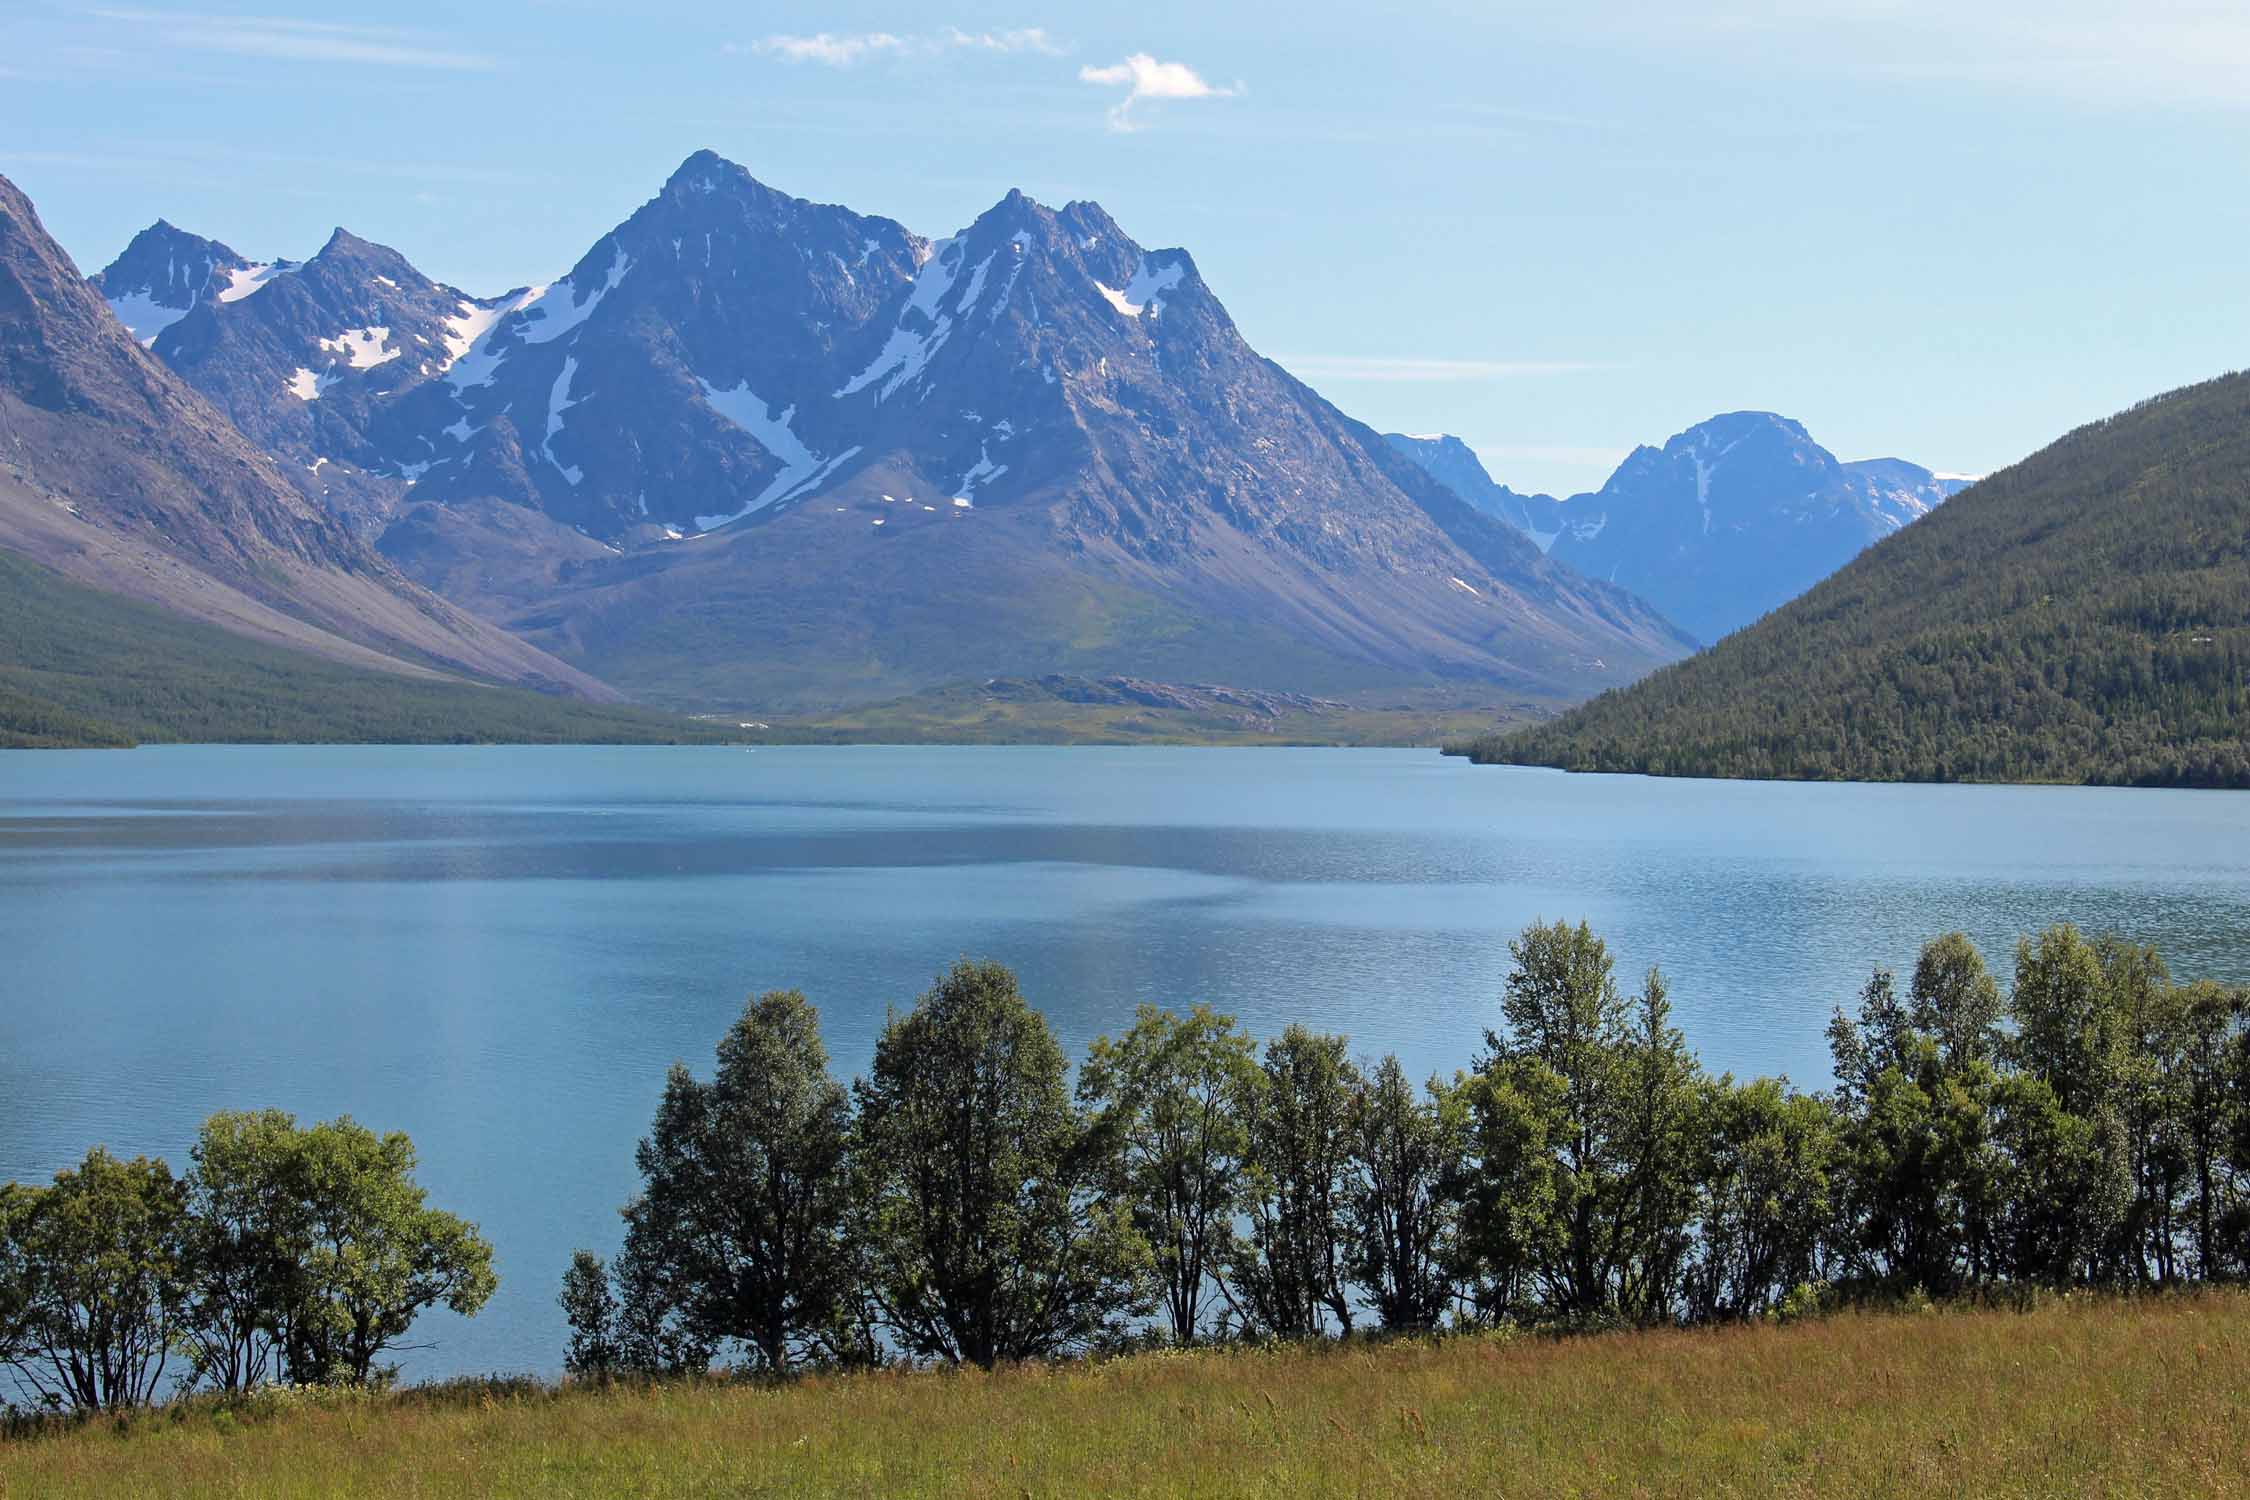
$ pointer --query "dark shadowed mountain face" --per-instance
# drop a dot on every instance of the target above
(1728, 520)
(166, 273)
(116, 473)
(754, 450)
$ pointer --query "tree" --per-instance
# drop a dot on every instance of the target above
(248, 1236)
(1287, 1277)
(744, 1190)
(2211, 1032)
(1510, 1229)
(90, 1282)
(986, 1236)
(1168, 1093)
(1768, 1198)
(1404, 1216)
(376, 1256)
(590, 1311)
(1609, 1088)
(1919, 1181)
(1955, 1001)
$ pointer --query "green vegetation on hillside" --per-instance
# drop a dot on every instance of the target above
(2081, 617)
(79, 667)
(2131, 1397)
(1030, 711)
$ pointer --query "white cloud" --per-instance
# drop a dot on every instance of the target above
(1143, 77)
(843, 51)
(1025, 39)
(301, 41)
(1385, 370)
(829, 50)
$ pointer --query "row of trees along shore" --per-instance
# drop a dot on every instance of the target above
(963, 1204)
(286, 1254)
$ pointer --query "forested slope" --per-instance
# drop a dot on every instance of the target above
(2081, 617)
(81, 667)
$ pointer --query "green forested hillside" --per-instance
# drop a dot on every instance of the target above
(2081, 617)
(81, 667)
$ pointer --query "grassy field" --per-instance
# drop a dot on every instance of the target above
(2087, 1397)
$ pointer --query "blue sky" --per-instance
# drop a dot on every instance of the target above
(1944, 231)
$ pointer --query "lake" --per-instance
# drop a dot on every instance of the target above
(500, 950)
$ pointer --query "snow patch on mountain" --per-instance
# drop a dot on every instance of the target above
(363, 348)
(1144, 293)
(922, 329)
(547, 316)
(801, 467)
(143, 316)
(243, 280)
(980, 473)
(558, 402)
(307, 386)
(470, 324)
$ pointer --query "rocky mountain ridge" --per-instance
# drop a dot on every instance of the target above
(1726, 521)
(757, 451)
(116, 473)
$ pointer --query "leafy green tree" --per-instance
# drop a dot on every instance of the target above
(1955, 1001)
(986, 1235)
(1407, 1156)
(745, 1190)
(1920, 1181)
(249, 1234)
(1768, 1199)
(2210, 1030)
(1168, 1093)
(2050, 1229)
(91, 1298)
(377, 1256)
(1511, 1232)
(1287, 1277)
(1619, 1099)
(590, 1311)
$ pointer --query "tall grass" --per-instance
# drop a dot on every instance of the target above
(2080, 1396)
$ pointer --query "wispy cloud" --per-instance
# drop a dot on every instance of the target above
(1024, 39)
(2165, 52)
(1388, 370)
(301, 41)
(848, 49)
(830, 50)
(1144, 77)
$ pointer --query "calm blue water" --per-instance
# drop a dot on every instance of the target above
(500, 950)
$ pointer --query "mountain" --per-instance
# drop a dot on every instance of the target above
(2082, 617)
(1455, 465)
(166, 273)
(752, 450)
(80, 667)
(114, 472)
(1725, 522)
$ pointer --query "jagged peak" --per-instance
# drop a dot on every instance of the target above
(707, 172)
(1736, 424)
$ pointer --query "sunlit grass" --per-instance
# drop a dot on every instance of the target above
(2078, 1397)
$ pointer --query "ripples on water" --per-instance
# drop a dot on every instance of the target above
(499, 950)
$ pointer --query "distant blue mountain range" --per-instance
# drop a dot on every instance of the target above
(1728, 520)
